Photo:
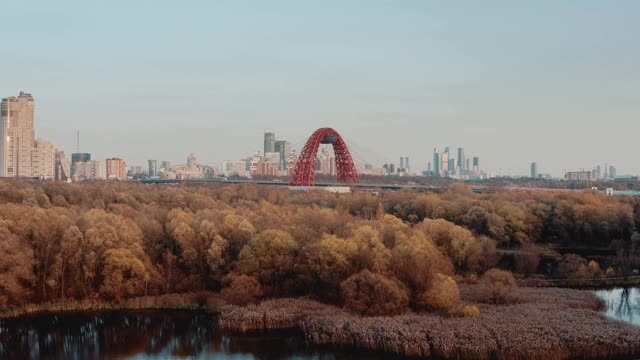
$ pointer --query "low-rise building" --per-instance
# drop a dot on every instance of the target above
(191, 170)
(578, 176)
(90, 170)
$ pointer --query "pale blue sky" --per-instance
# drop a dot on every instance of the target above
(557, 82)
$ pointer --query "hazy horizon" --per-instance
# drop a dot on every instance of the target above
(552, 82)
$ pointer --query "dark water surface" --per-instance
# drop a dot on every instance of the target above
(622, 304)
(152, 334)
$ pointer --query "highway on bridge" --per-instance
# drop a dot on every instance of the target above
(475, 188)
(285, 183)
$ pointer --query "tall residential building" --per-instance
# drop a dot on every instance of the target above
(17, 135)
(476, 164)
(283, 148)
(406, 165)
(116, 169)
(452, 166)
(153, 168)
(20, 154)
(324, 161)
(445, 161)
(598, 172)
(612, 172)
(269, 142)
(63, 167)
(436, 162)
(461, 159)
(43, 160)
(534, 170)
(78, 158)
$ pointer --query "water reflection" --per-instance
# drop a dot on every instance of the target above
(622, 304)
(150, 335)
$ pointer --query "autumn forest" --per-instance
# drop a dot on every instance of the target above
(363, 269)
(112, 241)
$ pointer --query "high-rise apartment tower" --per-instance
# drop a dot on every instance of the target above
(534, 170)
(17, 135)
(269, 142)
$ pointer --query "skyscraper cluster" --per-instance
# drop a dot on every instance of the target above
(606, 172)
(403, 169)
(446, 164)
(276, 151)
(276, 159)
(326, 164)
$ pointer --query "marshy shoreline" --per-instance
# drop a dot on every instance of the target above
(545, 323)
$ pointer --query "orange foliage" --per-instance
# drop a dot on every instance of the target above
(374, 294)
(118, 240)
(242, 289)
(498, 286)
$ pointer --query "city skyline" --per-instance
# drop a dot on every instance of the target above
(563, 95)
(278, 156)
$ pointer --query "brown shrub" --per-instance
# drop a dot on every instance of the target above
(374, 294)
(526, 261)
(572, 266)
(470, 311)
(442, 296)
(498, 287)
(417, 260)
(242, 289)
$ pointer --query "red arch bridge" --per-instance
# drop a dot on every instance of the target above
(304, 171)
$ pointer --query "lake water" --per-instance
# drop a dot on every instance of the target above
(622, 304)
(152, 335)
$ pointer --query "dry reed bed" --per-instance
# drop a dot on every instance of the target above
(553, 296)
(546, 324)
(167, 301)
(272, 314)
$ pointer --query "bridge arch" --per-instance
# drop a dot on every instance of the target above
(304, 171)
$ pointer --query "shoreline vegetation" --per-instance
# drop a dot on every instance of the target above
(182, 301)
(548, 323)
(409, 272)
(542, 323)
(591, 284)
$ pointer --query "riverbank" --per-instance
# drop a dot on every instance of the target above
(591, 284)
(187, 301)
(544, 324)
